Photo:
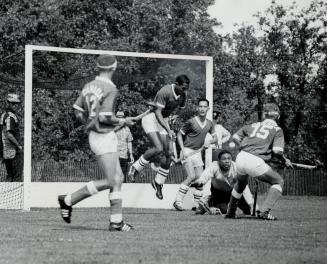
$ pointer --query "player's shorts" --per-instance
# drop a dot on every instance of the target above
(102, 143)
(150, 124)
(195, 160)
(247, 163)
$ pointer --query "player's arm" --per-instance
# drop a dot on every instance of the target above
(206, 175)
(225, 135)
(160, 118)
(238, 137)
(278, 148)
(79, 111)
(181, 143)
(107, 115)
(214, 139)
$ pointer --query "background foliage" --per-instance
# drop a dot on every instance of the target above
(281, 58)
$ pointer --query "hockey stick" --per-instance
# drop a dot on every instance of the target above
(256, 186)
(304, 166)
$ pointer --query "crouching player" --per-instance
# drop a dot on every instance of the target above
(95, 108)
(194, 131)
(222, 174)
(257, 141)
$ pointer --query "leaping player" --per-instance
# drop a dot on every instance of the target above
(257, 143)
(95, 107)
(168, 98)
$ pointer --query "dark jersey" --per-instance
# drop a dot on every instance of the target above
(261, 138)
(97, 98)
(168, 100)
(195, 132)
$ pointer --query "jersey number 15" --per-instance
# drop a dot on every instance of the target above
(260, 131)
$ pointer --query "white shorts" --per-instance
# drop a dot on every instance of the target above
(102, 143)
(151, 124)
(195, 160)
(250, 164)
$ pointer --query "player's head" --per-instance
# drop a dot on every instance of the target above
(107, 63)
(224, 160)
(183, 82)
(270, 111)
(120, 114)
(13, 101)
(203, 106)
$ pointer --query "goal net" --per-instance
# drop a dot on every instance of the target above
(57, 156)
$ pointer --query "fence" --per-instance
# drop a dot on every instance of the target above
(297, 182)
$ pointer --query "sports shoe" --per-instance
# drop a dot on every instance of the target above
(178, 206)
(122, 227)
(193, 208)
(65, 210)
(131, 173)
(199, 211)
(266, 216)
(204, 206)
(158, 188)
(230, 216)
(215, 211)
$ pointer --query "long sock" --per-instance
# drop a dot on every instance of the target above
(161, 176)
(233, 202)
(140, 164)
(275, 192)
(182, 191)
(88, 190)
(116, 210)
(197, 195)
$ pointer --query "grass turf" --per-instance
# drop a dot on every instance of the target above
(167, 236)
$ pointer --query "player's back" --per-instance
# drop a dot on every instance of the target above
(260, 138)
(94, 100)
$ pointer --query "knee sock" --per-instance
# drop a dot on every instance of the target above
(140, 164)
(161, 176)
(197, 195)
(182, 191)
(275, 192)
(116, 210)
(81, 194)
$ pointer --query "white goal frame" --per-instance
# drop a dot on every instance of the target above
(28, 97)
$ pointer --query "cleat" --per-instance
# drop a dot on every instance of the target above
(230, 216)
(215, 211)
(199, 211)
(122, 227)
(158, 188)
(178, 206)
(266, 216)
(194, 208)
(65, 210)
(131, 173)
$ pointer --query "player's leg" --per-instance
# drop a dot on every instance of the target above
(274, 193)
(198, 192)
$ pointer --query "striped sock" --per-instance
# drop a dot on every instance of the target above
(161, 176)
(116, 210)
(140, 164)
(197, 195)
(182, 191)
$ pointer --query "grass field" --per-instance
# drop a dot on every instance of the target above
(167, 236)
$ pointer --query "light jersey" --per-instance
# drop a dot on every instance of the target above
(97, 98)
(221, 180)
(195, 132)
(261, 138)
(168, 100)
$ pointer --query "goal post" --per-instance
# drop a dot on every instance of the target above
(30, 49)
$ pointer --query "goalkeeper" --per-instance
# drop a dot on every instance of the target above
(222, 174)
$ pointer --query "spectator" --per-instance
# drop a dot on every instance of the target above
(125, 148)
(12, 149)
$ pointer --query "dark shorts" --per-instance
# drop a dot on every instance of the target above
(220, 199)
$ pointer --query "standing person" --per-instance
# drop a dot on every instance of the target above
(125, 147)
(155, 125)
(12, 149)
(223, 135)
(257, 142)
(95, 108)
(222, 174)
(194, 131)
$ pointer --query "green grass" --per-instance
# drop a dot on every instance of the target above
(167, 236)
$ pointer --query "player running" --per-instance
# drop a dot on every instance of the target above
(222, 174)
(155, 125)
(194, 131)
(257, 142)
(95, 107)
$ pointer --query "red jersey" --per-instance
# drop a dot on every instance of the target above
(97, 98)
(261, 138)
(168, 100)
(196, 131)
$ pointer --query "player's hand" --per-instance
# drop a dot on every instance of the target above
(131, 157)
(172, 135)
(232, 145)
(196, 184)
(206, 145)
(288, 163)
(20, 148)
(129, 121)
